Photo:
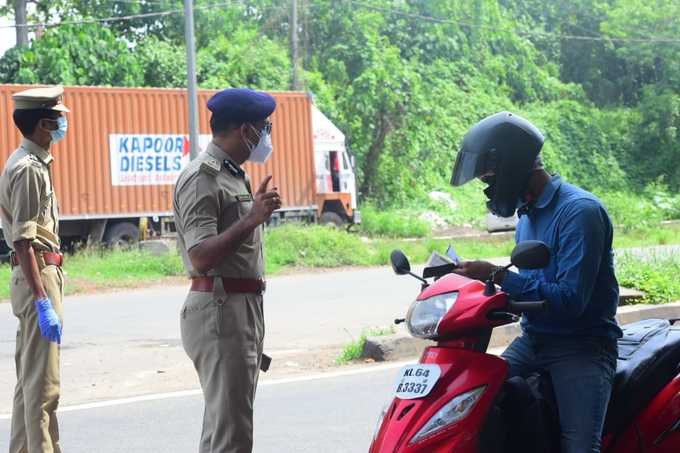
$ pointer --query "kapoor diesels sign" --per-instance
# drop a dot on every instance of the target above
(149, 159)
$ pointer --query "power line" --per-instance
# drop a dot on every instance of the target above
(402, 13)
(170, 12)
(142, 2)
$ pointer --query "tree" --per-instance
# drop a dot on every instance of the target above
(20, 19)
(405, 79)
(83, 55)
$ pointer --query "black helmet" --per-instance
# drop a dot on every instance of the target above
(506, 145)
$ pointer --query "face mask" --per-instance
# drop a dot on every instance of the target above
(59, 133)
(490, 191)
(492, 204)
(261, 152)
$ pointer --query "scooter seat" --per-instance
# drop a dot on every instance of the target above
(649, 357)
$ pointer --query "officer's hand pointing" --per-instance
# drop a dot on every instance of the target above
(265, 202)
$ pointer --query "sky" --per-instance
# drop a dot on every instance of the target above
(7, 35)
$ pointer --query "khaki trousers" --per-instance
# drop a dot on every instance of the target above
(222, 334)
(36, 396)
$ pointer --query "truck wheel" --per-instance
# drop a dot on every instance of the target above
(121, 235)
(331, 219)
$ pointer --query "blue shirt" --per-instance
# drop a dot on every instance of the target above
(579, 283)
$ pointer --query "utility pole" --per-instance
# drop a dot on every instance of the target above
(191, 77)
(20, 21)
(294, 44)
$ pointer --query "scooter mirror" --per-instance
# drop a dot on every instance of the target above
(400, 263)
(530, 255)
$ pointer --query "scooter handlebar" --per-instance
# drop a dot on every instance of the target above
(528, 306)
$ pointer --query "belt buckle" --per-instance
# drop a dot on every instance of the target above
(263, 286)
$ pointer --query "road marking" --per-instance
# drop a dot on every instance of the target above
(265, 383)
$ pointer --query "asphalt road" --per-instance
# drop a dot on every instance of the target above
(331, 414)
(127, 343)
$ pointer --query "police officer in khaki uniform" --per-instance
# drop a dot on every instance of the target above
(219, 230)
(28, 208)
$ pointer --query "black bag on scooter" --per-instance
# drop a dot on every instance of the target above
(524, 418)
(531, 415)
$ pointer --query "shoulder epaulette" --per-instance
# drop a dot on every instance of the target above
(211, 166)
(30, 159)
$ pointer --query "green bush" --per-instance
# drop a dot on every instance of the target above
(313, 246)
(641, 210)
(392, 223)
(656, 276)
(354, 349)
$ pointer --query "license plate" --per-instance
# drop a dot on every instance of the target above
(416, 381)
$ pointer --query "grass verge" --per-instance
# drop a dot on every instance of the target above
(656, 276)
(91, 270)
(354, 349)
(290, 247)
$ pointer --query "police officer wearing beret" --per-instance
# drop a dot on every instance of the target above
(28, 208)
(219, 232)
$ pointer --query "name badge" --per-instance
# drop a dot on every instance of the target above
(244, 198)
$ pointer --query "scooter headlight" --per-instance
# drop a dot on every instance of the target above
(424, 316)
(452, 412)
(381, 417)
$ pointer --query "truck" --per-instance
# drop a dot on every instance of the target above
(114, 172)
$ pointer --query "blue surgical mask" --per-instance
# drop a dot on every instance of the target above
(59, 133)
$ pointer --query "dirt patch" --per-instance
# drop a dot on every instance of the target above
(77, 286)
(457, 231)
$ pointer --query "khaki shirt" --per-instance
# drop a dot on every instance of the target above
(28, 204)
(213, 193)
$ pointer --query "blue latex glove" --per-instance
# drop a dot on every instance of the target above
(48, 321)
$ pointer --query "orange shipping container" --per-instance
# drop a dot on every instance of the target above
(117, 134)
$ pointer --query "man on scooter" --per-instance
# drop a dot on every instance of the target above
(574, 339)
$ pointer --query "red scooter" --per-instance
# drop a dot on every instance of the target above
(443, 403)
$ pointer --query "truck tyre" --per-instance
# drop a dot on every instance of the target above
(121, 235)
(331, 219)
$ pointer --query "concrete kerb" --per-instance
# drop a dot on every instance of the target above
(401, 346)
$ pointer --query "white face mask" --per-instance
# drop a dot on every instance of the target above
(261, 152)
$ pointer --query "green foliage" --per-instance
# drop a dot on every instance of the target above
(243, 58)
(313, 246)
(102, 265)
(634, 211)
(656, 276)
(93, 269)
(657, 154)
(164, 64)
(669, 234)
(83, 55)
(405, 89)
(579, 144)
(654, 62)
(397, 224)
(294, 246)
(469, 208)
(354, 349)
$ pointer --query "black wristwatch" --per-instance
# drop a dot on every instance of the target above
(498, 275)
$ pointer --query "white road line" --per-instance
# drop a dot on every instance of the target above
(265, 383)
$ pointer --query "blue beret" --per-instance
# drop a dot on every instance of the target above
(241, 105)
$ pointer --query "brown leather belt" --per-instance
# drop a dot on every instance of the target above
(50, 259)
(230, 285)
